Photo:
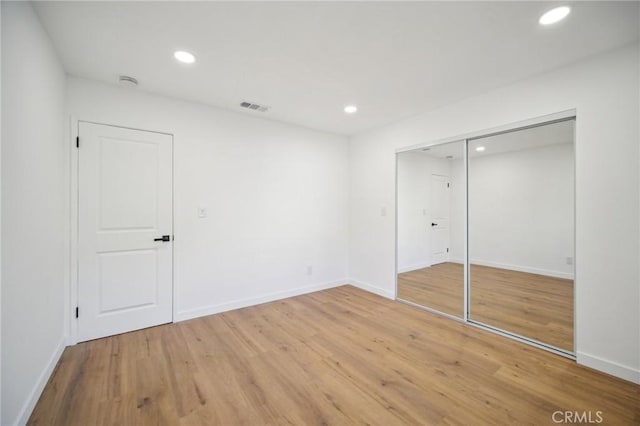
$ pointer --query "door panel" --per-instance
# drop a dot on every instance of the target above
(521, 233)
(128, 280)
(424, 199)
(137, 206)
(125, 202)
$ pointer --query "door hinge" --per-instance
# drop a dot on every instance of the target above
(77, 312)
(77, 141)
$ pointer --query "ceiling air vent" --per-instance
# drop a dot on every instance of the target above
(255, 107)
(125, 80)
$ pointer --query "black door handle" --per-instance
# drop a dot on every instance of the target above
(163, 238)
(434, 224)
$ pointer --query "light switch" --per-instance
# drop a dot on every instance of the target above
(202, 212)
(383, 211)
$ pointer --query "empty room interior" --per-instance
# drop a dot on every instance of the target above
(261, 213)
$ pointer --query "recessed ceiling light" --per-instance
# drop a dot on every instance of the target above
(350, 109)
(554, 15)
(480, 148)
(184, 57)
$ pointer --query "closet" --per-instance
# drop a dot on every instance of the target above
(485, 230)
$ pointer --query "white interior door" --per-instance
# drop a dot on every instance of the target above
(125, 205)
(441, 211)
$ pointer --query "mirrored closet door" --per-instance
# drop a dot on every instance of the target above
(431, 227)
(485, 231)
(521, 232)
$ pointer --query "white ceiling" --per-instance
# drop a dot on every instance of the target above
(307, 60)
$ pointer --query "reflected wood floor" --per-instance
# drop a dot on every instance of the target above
(440, 287)
(534, 306)
(340, 356)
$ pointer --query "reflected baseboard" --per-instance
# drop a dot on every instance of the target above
(518, 268)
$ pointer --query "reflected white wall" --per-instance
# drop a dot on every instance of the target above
(521, 210)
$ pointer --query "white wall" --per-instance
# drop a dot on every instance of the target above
(604, 90)
(276, 196)
(33, 210)
(0, 224)
(414, 207)
(521, 210)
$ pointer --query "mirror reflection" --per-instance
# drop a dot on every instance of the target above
(521, 232)
(431, 220)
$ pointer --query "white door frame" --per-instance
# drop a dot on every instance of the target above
(71, 302)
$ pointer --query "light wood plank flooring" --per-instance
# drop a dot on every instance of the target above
(534, 306)
(341, 356)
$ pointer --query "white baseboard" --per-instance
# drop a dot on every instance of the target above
(413, 267)
(609, 367)
(528, 269)
(34, 396)
(373, 289)
(243, 303)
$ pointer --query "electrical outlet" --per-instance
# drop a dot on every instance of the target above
(569, 260)
(202, 212)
